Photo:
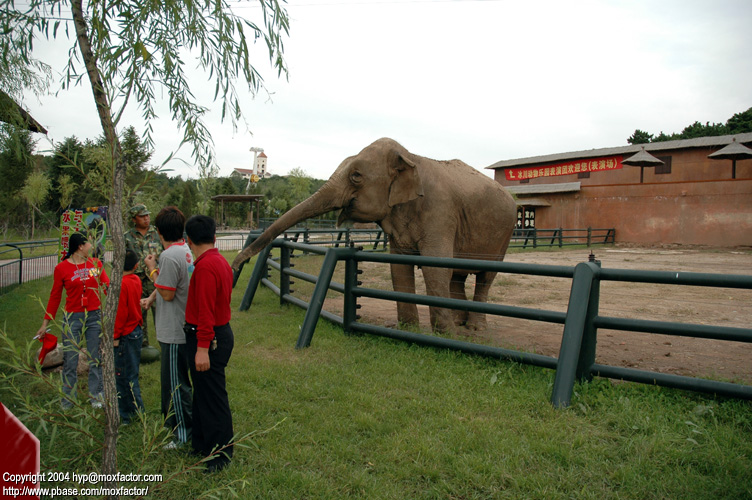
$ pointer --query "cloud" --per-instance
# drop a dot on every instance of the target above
(477, 80)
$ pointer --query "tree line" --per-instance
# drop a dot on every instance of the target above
(37, 188)
(740, 123)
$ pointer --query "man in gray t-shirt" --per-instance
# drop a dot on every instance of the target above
(171, 281)
(174, 274)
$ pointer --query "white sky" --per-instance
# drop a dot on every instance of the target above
(478, 80)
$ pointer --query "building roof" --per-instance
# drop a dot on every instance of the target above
(244, 170)
(532, 202)
(652, 147)
(526, 189)
(262, 155)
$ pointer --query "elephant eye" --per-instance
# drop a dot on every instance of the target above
(356, 178)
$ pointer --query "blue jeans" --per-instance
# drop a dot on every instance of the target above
(75, 325)
(127, 360)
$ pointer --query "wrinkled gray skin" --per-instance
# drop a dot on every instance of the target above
(427, 207)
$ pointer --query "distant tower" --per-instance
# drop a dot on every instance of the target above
(260, 167)
(254, 178)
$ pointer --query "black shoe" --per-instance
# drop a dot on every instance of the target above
(216, 465)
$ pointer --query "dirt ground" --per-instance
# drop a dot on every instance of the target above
(667, 354)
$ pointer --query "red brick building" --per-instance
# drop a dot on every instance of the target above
(689, 199)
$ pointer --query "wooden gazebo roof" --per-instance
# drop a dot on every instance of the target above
(237, 197)
(219, 214)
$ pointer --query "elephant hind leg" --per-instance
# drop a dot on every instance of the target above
(457, 291)
(483, 282)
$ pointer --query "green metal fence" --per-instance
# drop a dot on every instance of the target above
(30, 260)
(581, 321)
(560, 237)
(336, 237)
(25, 261)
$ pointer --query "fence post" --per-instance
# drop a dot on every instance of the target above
(260, 271)
(252, 236)
(571, 341)
(284, 278)
(561, 238)
(20, 262)
(590, 333)
(378, 240)
(317, 299)
(306, 240)
(349, 315)
(535, 238)
(589, 236)
(339, 238)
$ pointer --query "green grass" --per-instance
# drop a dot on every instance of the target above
(43, 233)
(365, 417)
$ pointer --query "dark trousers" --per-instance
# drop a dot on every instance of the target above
(145, 327)
(212, 418)
(127, 359)
(177, 401)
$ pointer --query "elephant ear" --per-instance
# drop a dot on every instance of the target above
(406, 185)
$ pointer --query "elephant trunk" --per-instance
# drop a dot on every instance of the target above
(327, 198)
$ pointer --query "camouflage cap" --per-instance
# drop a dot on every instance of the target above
(138, 210)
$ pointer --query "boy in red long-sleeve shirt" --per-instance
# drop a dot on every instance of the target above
(209, 341)
(128, 338)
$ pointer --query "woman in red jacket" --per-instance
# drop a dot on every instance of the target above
(82, 277)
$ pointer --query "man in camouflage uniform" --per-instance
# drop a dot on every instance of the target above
(143, 240)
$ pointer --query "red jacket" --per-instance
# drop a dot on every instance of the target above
(209, 295)
(82, 283)
(129, 314)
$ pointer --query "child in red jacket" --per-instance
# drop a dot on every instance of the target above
(128, 339)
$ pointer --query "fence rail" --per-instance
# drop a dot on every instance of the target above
(524, 238)
(17, 266)
(21, 262)
(576, 361)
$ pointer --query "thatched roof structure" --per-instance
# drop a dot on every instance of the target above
(12, 112)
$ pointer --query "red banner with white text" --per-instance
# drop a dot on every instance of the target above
(569, 168)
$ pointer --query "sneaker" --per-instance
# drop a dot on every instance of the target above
(172, 445)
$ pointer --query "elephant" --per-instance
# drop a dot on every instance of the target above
(426, 207)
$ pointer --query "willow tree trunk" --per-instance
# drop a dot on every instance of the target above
(109, 455)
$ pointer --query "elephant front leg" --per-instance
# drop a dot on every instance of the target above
(403, 280)
(483, 282)
(437, 283)
(457, 291)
